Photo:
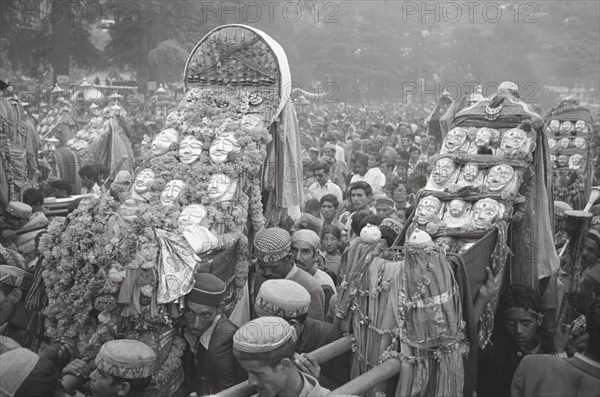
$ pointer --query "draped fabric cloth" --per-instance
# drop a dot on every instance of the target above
(68, 165)
(288, 162)
(427, 310)
(176, 266)
(360, 255)
(121, 154)
(24, 142)
(368, 320)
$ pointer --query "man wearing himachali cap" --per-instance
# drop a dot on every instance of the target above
(272, 250)
(265, 349)
(305, 251)
(16, 322)
(290, 301)
(208, 362)
(124, 368)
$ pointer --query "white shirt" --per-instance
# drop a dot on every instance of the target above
(376, 179)
(315, 191)
(340, 154)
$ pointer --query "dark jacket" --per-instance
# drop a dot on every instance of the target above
(214, 369)
(317, 334)
(498, 364)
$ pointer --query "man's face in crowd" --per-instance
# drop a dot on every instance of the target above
(372, 162)
(400, 194)
(268, 380)
(405, 142)
(521, 326)
(198, 318)
(304, 255)
(590, 289)
(590, 252)
(86, 182)
(361, 168)
(60, 193)
(327, 210)
(401, 216)
(384, 210)
(274, 270)
(329, 153)
(384, 168)
(359, 199)
(402, 169)
(375, 145)
(321, 177)
(314, 156)
(414, 155)
(101, 385)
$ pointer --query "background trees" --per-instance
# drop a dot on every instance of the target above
(368, 48)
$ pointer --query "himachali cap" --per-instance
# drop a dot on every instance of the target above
(15, 277)
(126, 358)
(385, 201)
(18, 209)
(282, 298)
(307, 236)
(272, 244)
(15, 367)
(257, 338)
(393, 224)
(208, 290)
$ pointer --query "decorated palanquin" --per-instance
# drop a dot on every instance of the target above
(121, 268)
(569, 132)
(489, 194)
(103, 141)
(19, 145)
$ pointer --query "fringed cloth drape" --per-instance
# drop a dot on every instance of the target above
(425, 301)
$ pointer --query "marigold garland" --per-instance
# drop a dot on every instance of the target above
(90, 253)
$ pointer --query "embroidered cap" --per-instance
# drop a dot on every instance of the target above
(385, 201)
(208, 290)
(393, 224)
(257, 338)
(126, 358)
(18, 209)
(272, 244)
(282, 298)
(15, 277)
(15, 367)
(307, 236)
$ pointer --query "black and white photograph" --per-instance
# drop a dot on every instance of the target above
(299, 198)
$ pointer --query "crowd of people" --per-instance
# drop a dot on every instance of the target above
(363, 166)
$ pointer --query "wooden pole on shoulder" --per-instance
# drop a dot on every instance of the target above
(369, 379)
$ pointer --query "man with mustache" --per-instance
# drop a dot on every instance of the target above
(305, 249)
(274, 261)
(208, 362)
